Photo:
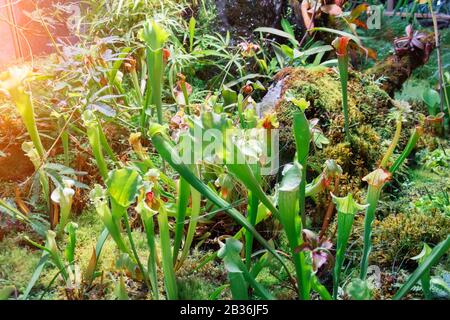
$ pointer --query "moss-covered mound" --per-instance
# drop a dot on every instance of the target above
(368, 109)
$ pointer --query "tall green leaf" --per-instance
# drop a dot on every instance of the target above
(166, 252)
(123, 185)
(168, 153)
(192, 23)
(182, 203)
(292, 224)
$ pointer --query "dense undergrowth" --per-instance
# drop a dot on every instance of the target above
(94, 203)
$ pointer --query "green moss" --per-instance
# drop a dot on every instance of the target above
(437, 161)
(401, 236)
(89, 230)
(274, 276)
(422, 189)
(16, 262)
(201, 283)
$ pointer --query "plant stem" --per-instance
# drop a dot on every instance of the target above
(343, 71)
(195, 213)
(347, 208)
(94, 140)
(137, 88)
(65, 208)
(240, 108)
(26, 110)
(302, 137)
(418, 131)
(186, 96)
(182, 204)
(65, 143)
(393, 144)
(345, 222)
(252, 210)
(252, 214)
(157, 85)
(147, 219)
(166, 252)
(330, 210)
(373, 195)
(293, 227)
(155, 37)
(105, 144)
(133, 248)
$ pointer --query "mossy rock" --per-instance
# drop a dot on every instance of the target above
(368, 107)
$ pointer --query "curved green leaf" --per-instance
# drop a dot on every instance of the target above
(123, 185)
